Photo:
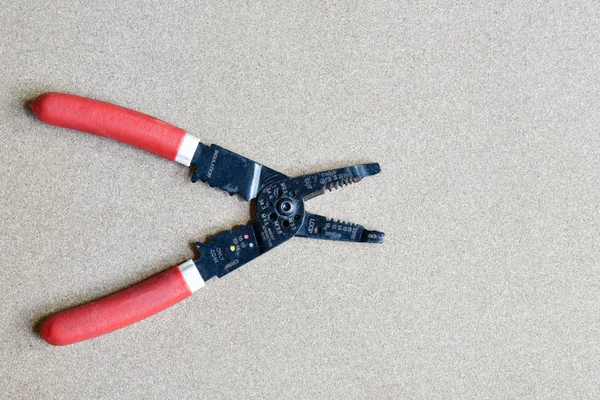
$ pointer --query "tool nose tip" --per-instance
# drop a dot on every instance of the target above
(372, 236)
(373, 168)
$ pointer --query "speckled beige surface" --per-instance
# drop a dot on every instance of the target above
(484, 118)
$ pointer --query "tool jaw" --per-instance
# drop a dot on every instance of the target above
(319, 227)
(280, 212)
(316, 184)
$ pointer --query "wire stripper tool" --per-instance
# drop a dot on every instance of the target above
(279, 212)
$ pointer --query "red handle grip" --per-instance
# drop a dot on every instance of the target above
(117, 310)
(111, 121)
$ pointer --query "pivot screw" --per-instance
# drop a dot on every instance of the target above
(286, 206)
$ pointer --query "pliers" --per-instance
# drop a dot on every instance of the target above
(279, 212)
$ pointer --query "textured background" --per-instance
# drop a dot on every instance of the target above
(483, 117)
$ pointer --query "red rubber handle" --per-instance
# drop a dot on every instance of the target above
(111, 121)
(117, 310)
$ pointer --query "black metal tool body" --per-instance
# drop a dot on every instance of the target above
(279, 212)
